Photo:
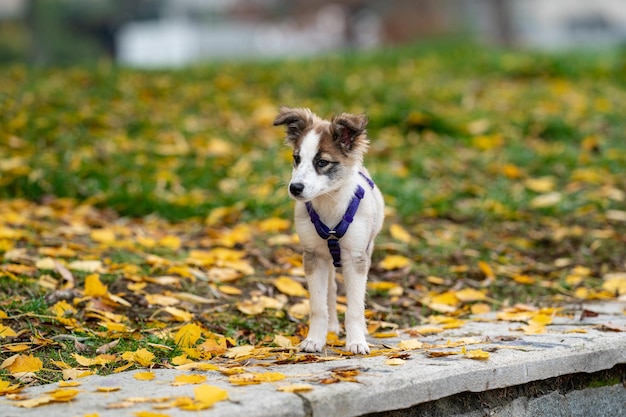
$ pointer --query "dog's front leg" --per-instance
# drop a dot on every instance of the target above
(317, 275)
(355, 274)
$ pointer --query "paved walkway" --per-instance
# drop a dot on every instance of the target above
(372, 384)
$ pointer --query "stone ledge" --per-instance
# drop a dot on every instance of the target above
(598, 394)
(515, 361)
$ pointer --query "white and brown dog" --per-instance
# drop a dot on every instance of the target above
(338, 213)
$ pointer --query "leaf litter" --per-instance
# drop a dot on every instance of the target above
(87, 290)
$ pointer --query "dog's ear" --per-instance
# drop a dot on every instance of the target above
(349, 129)
(295, 120)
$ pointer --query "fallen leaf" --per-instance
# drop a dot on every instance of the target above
(19, 363)
(477, 354)
(391, 262)
(144, 376)
(290, 287)
(188, 379)
(295, 388)
(188, 335)
(410, 344)
(209, 394)
(108, 389)
(399, 233)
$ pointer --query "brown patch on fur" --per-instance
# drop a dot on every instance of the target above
(309, 259)
(344, 138)
(298, 121)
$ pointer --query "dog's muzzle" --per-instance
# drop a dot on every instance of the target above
(296, 188)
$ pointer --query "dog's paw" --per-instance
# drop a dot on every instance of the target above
(309, 345)
(359, 348)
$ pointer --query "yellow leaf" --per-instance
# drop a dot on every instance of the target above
(435, 280)
(34, 402)
(295, 388)
(108, 389)
(161, 300)
(22, 363)
(229, 290)
(512, 171)
(534, 329)
(149, 414)
(300, 310)
(178, 314)
(395, 361)
(86, 266)
(63, 395)
(170, 242)
(274, 225)
(469, 295)
(523, 279)
(425, 330)
(238, 352)
(252, 378)
(188, 335)
(98, 360)
(141, 356)
(69, 384)
(270, 376)
(385, 335)
(290, 287)
(74, 373)
(62, 309)
(391, 262)
(486, 269)
(188, 379)
(7, 388)
(6, 331)
(477, 354)
(480, 308)
(447, 298)
(487, 142)
(410, 344)
(399, 233)
(94, 287)
(540, 185)
(213, 346)
(615, 283)
(382, 286)
(282, 341)
(103, 236)
(540, 320)
(209, 394)
(144, 376)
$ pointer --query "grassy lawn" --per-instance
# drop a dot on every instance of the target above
(134, 202)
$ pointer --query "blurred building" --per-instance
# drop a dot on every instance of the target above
(157, 33)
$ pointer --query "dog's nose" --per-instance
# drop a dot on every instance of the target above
(296, 188)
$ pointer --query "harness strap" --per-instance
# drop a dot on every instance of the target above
(332, 236)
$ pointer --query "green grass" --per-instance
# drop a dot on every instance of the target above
(180, 143)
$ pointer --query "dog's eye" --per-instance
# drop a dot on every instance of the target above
(322, 163)
(296, 159)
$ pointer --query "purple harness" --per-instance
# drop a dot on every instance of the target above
(332, 236)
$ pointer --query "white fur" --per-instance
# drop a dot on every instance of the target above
(330, 202)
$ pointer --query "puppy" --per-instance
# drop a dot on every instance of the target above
(338, 213)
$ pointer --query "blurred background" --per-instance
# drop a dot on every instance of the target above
(177, 33)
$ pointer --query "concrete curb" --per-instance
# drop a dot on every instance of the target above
(380, 387)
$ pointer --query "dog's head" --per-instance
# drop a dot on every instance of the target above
(325, 153)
